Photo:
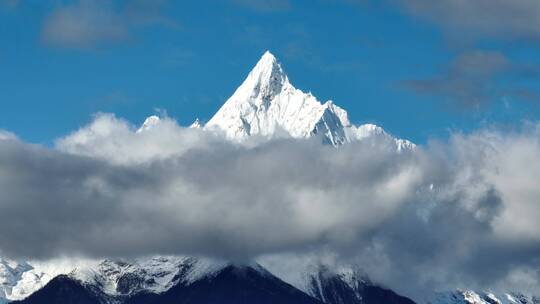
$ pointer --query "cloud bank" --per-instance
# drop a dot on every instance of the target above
(461, 213)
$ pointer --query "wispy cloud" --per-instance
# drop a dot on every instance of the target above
(5, 135)
(477, 78)
(265, 5)
(90, 23)
(514, 19)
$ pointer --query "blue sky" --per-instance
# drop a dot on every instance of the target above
(401, 65)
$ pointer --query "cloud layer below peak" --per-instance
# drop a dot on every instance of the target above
(445, 213)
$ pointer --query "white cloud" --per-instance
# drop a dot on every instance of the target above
(115, 140)
(106, 190)
(4, 135)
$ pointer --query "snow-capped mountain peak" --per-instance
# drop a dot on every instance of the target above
(266, 103)
(18, 279)
(197, 124)
(148, 123)
(485, 297)
(265, 81)
(11, 272)
(346, 285)
(155, 274)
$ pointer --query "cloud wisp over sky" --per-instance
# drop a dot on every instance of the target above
(477, 78)
(88, 23)
(518, 19)
(265, 5)
(445, 213)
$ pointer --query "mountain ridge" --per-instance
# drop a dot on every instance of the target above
(156, 279)
(221, 283)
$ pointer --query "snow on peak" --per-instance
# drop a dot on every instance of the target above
(151, 274)
(264, 82)
(196, 124)
(473, 297)
(266, 104)
(11, 272)
(20, 279)
(114, 277)
(149, 122)
(268, 77)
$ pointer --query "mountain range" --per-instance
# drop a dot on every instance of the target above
(197, 280)
(265, 106)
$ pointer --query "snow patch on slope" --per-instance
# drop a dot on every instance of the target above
(149, 123)
(335, 284)
(20, 279)
(196, 124)
(114, 277)
(366, 131)
(154, 274)
(472, 297)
